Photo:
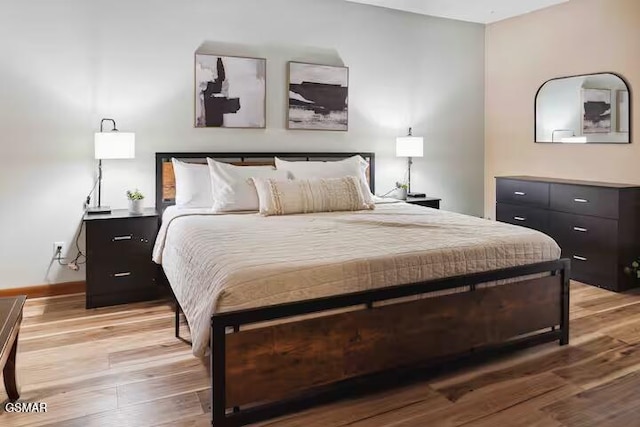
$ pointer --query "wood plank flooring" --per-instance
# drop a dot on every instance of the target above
(121, 366)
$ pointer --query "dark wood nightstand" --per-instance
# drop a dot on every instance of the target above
(119, 266)
(429, 202)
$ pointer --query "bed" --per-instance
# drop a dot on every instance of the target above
(295, 310)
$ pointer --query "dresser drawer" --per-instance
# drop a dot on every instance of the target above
(523, 215)
(585, 200)
(522, 192)
(121, 237)
(592, 267)
(598, 235)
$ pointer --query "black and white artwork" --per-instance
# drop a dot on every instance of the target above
(230, 91)
(596, 111)
(318, 97)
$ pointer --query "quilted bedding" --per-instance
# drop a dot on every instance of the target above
(221, 263)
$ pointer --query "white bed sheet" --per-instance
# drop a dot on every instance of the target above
(227, 262)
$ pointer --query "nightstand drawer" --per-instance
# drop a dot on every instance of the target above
(522, 192)
(525, 216)
(121, 237)
(584, 200)
(131, 275)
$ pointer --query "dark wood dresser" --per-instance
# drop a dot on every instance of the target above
(119, 266)
(596, 224)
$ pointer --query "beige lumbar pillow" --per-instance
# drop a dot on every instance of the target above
(280, 197)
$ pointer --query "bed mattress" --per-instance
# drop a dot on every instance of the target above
(220, 263)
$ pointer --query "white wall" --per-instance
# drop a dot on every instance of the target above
(65, 64)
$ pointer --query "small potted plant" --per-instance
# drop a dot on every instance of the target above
(136, 199)
(401, 190)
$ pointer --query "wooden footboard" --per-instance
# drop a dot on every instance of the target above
(265, 371)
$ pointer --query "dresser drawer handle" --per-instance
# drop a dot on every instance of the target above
(519, 193)
(581, 200)
(579, 258)
(519, 218)
(122, 274)
(580, 229)
(121, 238)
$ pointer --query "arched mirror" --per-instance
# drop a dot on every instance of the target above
(586, 109)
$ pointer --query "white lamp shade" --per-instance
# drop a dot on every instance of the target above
(409, 146)
(115, 145)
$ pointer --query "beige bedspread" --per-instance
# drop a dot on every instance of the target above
(218, 263)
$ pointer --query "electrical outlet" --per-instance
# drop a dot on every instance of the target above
(59, 249)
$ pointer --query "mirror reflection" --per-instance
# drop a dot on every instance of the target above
(592, 108)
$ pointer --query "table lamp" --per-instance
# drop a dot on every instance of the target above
(110, 145)
(410, 146)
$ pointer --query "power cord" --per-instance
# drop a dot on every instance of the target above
(87, 201)
(388, 192)
(398, 185)
(76, 262)
(80, 257)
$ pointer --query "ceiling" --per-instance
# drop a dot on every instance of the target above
(482, 11)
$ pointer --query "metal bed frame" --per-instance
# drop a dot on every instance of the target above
(552, 324)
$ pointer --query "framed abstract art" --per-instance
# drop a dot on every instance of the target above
(318, 97)
(596, 110)
(230, 91)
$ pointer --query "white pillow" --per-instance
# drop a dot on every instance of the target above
(232, 187)
(193, 185)
(352, 166)
(310, 195)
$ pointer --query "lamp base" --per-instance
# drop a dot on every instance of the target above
(416, 194)
(97, 210)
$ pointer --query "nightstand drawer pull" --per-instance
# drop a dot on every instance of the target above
(519, 218)
(579, 258)
(580, 229)
(581, 200)
(122, 274)
(519, 193)
(121, 238)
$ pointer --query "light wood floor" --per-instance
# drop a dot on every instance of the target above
(121, 366)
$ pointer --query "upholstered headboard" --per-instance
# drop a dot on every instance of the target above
(165, 179)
